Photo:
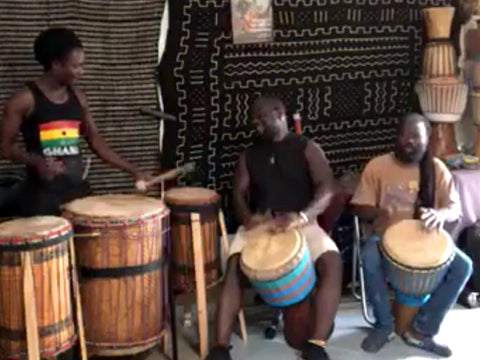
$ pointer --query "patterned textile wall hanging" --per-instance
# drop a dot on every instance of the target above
(121, 42)
(347, 66)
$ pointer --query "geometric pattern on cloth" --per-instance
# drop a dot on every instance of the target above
(347, 66)
(121, 44)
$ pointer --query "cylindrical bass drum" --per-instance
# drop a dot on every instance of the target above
(35, 269)
(416, 260)
(183, 201)
(278, 266)
(119, 240)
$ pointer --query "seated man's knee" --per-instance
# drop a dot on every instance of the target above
(463, 265)
(330, 264)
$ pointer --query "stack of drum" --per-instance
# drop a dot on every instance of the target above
(442, 92)
(475, 99)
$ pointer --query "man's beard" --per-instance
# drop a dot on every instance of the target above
(409, 157)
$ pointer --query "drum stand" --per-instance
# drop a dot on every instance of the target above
(31, 323)
(200, 292)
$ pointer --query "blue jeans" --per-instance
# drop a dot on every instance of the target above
(431, 315)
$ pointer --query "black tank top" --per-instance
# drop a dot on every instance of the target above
(279, 175)
(53, 130)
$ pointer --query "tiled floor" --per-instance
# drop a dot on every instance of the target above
(461, 329)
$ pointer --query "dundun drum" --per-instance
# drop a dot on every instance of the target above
(118, 240)
(45, 241)
(183, 201)
(416, 260)
(279, 266)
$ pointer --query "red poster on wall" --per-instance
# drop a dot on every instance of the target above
(252, 21)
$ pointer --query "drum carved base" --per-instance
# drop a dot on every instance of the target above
(442, 141)
(403, 316)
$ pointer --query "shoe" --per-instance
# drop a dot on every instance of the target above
(219, 353)
(314, 352)
(377, 339)
(427, 344)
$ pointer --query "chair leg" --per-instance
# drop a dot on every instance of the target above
(357, 255)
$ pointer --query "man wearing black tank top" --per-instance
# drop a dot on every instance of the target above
(52, 114)
(281, 182)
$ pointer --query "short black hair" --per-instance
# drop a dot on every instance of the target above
(54, 44)
(272, 101)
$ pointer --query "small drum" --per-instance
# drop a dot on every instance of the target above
(120, 249)
(442, 99)
(279, 266)
(439, 59)
(438, 22)
(40, 246)
(183, 201)
(416, 260)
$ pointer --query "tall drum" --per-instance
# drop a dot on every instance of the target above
(184, 201)
(35, 280)
(119, 240)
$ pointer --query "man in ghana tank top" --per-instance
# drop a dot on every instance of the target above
(287, 176)
(52, 114)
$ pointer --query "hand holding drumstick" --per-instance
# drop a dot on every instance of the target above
(143, 185)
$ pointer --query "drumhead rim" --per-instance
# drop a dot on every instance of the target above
(113, 220)
(171, 199)
(274, 273)
(450, 250)
(52, 233)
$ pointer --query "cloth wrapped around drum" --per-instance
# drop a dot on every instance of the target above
(416, 260)
(278, 265)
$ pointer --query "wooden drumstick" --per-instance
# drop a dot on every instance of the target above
(171, 174)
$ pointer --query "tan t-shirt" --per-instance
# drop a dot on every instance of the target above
(388, 184)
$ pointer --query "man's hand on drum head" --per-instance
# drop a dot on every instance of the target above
(287, 222)
(256, 220)
(433, 219)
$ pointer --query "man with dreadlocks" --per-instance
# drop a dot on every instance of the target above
(408, 183)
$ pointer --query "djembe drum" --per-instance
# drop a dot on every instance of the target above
(439, 59)
(120, 242)
(183, 201)
(35, 288)
(278, 266)
(443, 101)
(416, 261)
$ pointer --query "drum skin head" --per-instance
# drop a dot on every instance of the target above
(409, 243)
(32, 227)
(190, 196)
(267, 252)
(118, 207)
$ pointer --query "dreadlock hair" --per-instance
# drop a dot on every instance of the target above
(54, 44)
(426, 191)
